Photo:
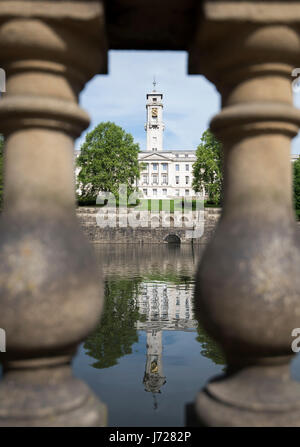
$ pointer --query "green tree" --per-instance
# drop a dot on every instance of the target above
(1, 168)
(108, 158)
(210, 347)
(296, 185)
(207, 170)
(116, 331)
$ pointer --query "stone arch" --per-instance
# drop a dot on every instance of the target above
(172, 239)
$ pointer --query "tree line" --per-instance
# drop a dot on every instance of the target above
(109, 158)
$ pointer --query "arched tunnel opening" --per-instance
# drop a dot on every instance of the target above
(172, 239)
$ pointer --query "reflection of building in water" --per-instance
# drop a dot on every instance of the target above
(153, 377)
(165, 306)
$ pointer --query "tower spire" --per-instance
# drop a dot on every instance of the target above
(154, 83)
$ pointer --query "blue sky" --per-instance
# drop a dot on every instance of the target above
(189, 101)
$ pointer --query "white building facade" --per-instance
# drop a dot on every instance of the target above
(167, 174)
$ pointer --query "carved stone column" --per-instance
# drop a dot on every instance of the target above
(50, 293)
(248, 284)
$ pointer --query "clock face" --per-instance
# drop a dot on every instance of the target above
(154, 112)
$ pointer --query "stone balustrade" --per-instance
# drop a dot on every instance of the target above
(50, 293)
(247, 293)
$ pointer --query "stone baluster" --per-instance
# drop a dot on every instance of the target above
(247, 292)
(50, 293)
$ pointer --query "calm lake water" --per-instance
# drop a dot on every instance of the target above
(148, 356)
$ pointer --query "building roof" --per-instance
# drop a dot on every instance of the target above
(176, 151)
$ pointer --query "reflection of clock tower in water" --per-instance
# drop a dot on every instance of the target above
(153, 377)
(154, 126)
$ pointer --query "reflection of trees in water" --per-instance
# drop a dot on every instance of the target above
(116, 331)
(210, 348)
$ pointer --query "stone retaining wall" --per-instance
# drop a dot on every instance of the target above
(165, 227)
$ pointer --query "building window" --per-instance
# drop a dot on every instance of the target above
(177, 167)
(177, 192)
(154, 99)
(164, 166)
(186, 155)
(164, 192)
(154, 149)
(177, 180)
(145, 179)
(155, 192)
(187, 192)
(187, 167)
(164, 179)
(155, 179)
(154, 166)
(176, 155)
(145, 192)
(146, 167)
(187, 180)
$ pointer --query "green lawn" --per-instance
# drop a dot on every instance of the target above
(156, 205)
(166, 205)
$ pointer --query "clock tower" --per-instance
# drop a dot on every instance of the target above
(154, 378)
(154, 125)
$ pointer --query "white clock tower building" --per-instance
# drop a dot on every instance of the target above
(166, 173)
(154, 125)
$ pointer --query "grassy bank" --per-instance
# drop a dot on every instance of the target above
(161, 205)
